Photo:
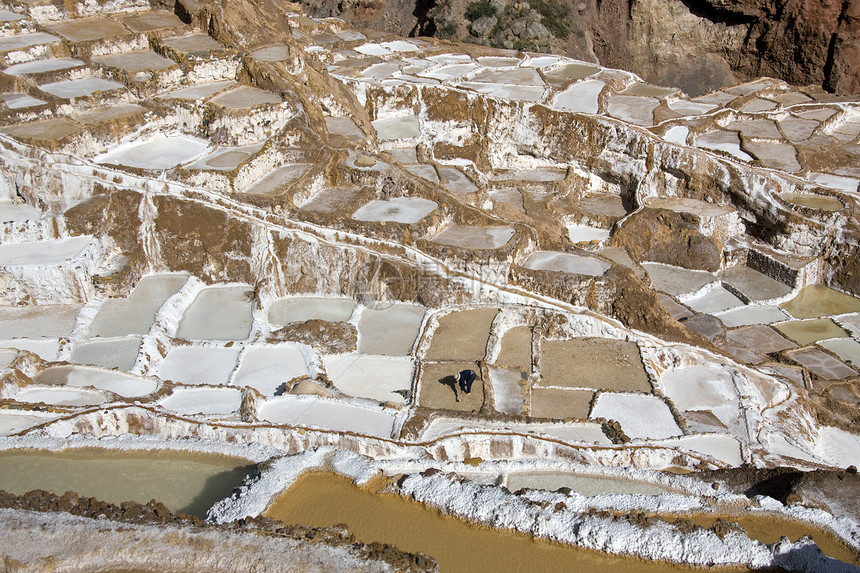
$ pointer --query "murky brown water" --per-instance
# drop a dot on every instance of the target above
(321, 499)
(814, 301)
(184, 482)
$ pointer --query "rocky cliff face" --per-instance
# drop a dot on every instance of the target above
(698, 45)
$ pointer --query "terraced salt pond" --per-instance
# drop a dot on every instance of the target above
(60, 396)
(325, 499)
(135, 313)
(206, 401)
(125, 385)
(184, 482)
(398, 210)
(218, 313)
(583, 485)
(300, 309)
(566, 263)
(52, 252)
(157, 154)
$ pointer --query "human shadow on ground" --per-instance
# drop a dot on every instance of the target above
(452, 383)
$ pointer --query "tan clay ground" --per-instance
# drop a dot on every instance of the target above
(437, 387)
(599, 363)
(462, 335)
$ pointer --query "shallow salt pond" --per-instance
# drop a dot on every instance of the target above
(809, 331)
(329, 414)
(200, 91)
(405, 210)
(226, 158)
(845, 348)
(815, 301)
(53, 252)
(196, 365)
(763, 314)
(640, 416)
(206, 401)
(299, 309)
(469, 237)
(60, 396)
(819, 202)
(218, 313)
(267, 369)
(136, 313)
(566, 263)
(162, 153)
(244, 97)
(120, 354)
(581, 97)
(405, 127)
(727, 141)
(52, 320)
(279, 179)
(125, 385)
(41, 66)
(184, 482)
(79, 88)
(389, 329)
(321, 499)
(12, 421)
(381, 378)
(586, 233)
(717, 299)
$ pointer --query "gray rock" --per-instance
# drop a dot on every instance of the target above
(481, 27)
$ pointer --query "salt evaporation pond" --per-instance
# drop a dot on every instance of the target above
(199, 365)
(120, 354)
(12, 421)
(581, 97)
(158, 154)
(586, 233)
(328, 414)
(199, 91)
(566, 263)
(815, 301)
(404, 127)
(16, 212)
(583, 485)
(218, 313)
(398, 210)
(125, 385)
(640, 416)
(818, 202)
(184, 482)
(389, 329)
(703, 388)
(206, 401)
(469, 237)
(380, 378)
(79, 88)
(53, 252)
(41, 66)
(300, 309)
(136, 313)
(267, 369)
(324, 499)
(60, 396)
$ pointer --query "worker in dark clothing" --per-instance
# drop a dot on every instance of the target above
(465, 378)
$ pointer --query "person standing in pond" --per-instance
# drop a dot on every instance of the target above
(465, 378)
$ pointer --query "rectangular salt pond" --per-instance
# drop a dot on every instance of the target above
(507, 390)
(581, 97)
(199, 365)
(136, 61)
(125, 385)
(200, 91)
(761, 314)
(205, 401)
(120, 353)
(20, 100)
(566, 263)
(60, 396)
(586, 233)
(404, 127)
(162, 153)
(226, 158)
(135, 314)
(299, 309)
(406, 210)
(456, 181)
(44, 348)
(49, 321)
(641, 417)
(41, 66)
(53, 252)
(469, 237)
(522, 93)
(845, 348)
(279, 179)
(812, 330)
(380, 378)
(9, 43)
(327, 414)
(267, 369)
(676, 280)
(218, 313)
(389, 329)
(717, 299)
(244, 97)
(184, 482)
(571, 433)
(80, 87)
